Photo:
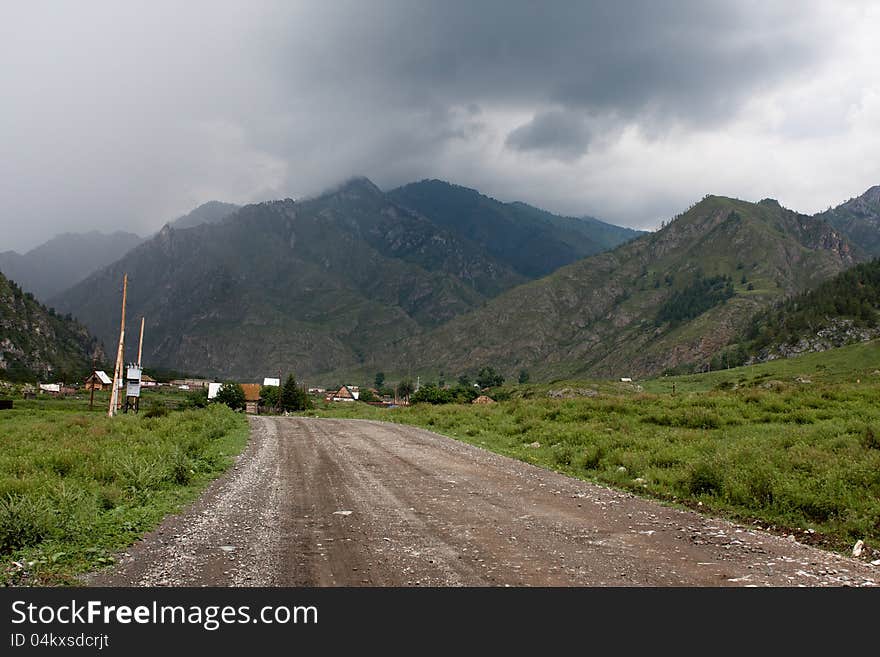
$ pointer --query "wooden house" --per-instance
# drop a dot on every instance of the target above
(346, 393)
(98, 380)
(251, 397)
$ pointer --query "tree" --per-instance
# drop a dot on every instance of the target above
(431, 394)
(293, 398)
(367, 395)
(464, 380)
(489, 378)
(231, 394)
(379, 380)
(524, 376)
(404, 389)
(269, 396)
(196, 398)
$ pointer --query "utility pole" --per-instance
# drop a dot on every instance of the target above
(92, 391)
(278, 396)
(141, 342)
(117, 371)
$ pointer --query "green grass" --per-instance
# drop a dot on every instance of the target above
(793, 457)
(77, 486)
(852, 364)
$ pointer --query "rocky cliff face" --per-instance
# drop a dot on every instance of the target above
(859, 221)
(37, 343)
(839, 333)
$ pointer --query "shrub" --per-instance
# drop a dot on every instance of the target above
(197, 398)
(870, 439)
(156, 409)
(180, 471)
(592, 457)
(139, 473)
(24, 521)
(705, 478)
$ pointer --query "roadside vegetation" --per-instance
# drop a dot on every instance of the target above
(77, 486)
(755, 444)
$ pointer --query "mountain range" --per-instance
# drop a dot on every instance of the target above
(68, 258)
(647, 305)
(432, 277)
(64, 260)
(316, 285)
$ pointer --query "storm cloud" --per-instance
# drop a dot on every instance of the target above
(125, 115)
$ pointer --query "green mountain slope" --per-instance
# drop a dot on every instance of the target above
(64, 260)
(532, 241)
(37, 343)
(859, 220)
(643, 307)
(840, 311)
(307, 286)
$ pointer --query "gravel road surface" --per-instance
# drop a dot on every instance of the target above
(318, 502)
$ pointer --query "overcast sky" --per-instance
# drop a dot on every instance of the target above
(123, 115)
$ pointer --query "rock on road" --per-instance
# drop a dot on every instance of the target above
(318, 502)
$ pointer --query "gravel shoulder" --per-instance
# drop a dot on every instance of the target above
(324, 502)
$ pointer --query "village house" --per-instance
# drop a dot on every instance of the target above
(51, 388)
(251, 397)
(98, 380)
(346, 393)
(187, 384)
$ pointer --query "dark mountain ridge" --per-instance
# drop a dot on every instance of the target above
(533, 242)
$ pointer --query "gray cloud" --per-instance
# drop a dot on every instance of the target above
(564, 135)
(124, 115)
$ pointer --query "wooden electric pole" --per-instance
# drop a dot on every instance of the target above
(141, 341)
(92, 377)
(117, 371)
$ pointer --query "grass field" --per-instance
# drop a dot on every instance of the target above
(797, 457)
(77, 486)
(846, 365)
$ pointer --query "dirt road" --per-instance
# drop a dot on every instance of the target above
(349, 502)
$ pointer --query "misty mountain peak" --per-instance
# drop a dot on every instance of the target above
(211, 212)
(358, 186)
